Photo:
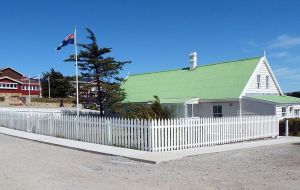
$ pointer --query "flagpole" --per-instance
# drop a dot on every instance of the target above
(40, 88)
(76, 65)
(29, 90)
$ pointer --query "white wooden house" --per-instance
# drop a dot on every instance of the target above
(233, 88)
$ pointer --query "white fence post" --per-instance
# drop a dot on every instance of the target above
(108, 125)
(286, 127)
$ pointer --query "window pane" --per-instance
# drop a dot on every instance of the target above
(190, 110)
(215, 109)
(219, 109)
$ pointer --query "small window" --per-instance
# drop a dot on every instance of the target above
(297, 112)
(283, 111)
(217, 111)
(190, 110)
(267, 82)
(258, 81)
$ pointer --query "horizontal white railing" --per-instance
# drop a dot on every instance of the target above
(147, 135)
(40, 110)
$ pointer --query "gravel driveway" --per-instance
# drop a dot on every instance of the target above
(30, 165)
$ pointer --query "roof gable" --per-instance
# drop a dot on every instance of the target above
(9, 79)
(10, 72)
(208, 82)
(263, 69)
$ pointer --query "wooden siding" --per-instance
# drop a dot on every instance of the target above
(289, 112)
(263, 71)
(10, 73)
(19, 89)
(228, 108)
(251, 107)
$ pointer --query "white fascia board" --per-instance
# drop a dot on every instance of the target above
(12, 69)
(251, 77)
(272, 75)
(192, 101)
(220, 100)
(11, 79)
(261, 61)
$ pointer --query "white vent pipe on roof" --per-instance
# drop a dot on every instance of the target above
(193, 60)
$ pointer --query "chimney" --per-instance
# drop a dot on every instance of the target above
(193, 60)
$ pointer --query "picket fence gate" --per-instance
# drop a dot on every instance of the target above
(147, 135)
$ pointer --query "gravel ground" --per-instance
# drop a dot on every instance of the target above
(30, 165)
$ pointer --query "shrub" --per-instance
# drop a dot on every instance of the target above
(2, 99)
(153, 110)
(53, 100)
(294, 127)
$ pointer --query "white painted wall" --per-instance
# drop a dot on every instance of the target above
(251, 107)
(205, 109)
(263, 71)
(290, 110)
(228, 108)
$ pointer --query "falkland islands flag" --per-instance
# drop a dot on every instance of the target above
(68, 40)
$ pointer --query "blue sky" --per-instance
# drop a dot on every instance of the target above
(155, 35)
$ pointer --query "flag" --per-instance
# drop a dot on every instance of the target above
(68, 40)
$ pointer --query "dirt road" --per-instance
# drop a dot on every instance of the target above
(28, 165)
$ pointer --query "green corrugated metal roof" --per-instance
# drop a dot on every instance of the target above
(278, 99)
(215, 81)
(174, 100)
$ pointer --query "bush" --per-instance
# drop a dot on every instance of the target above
(154, 110)
(2, 99)
(294, 127)
(53, 100)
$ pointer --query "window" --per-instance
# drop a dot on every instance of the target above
(217, 111)
(8, 85)
(297, 112)
(267, 82)
(283, 110)
(258, 81)
(190, 110)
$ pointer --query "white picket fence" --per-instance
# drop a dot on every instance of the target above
(40, 110)
(147, 135)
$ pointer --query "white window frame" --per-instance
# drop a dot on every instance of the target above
(296, 112)
(217, 111)
(267, 82)
(283, 111)
(8, 85)
(258, 80)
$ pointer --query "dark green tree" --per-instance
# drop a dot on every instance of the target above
(104, 70)
(60, 87)
(152, 110)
